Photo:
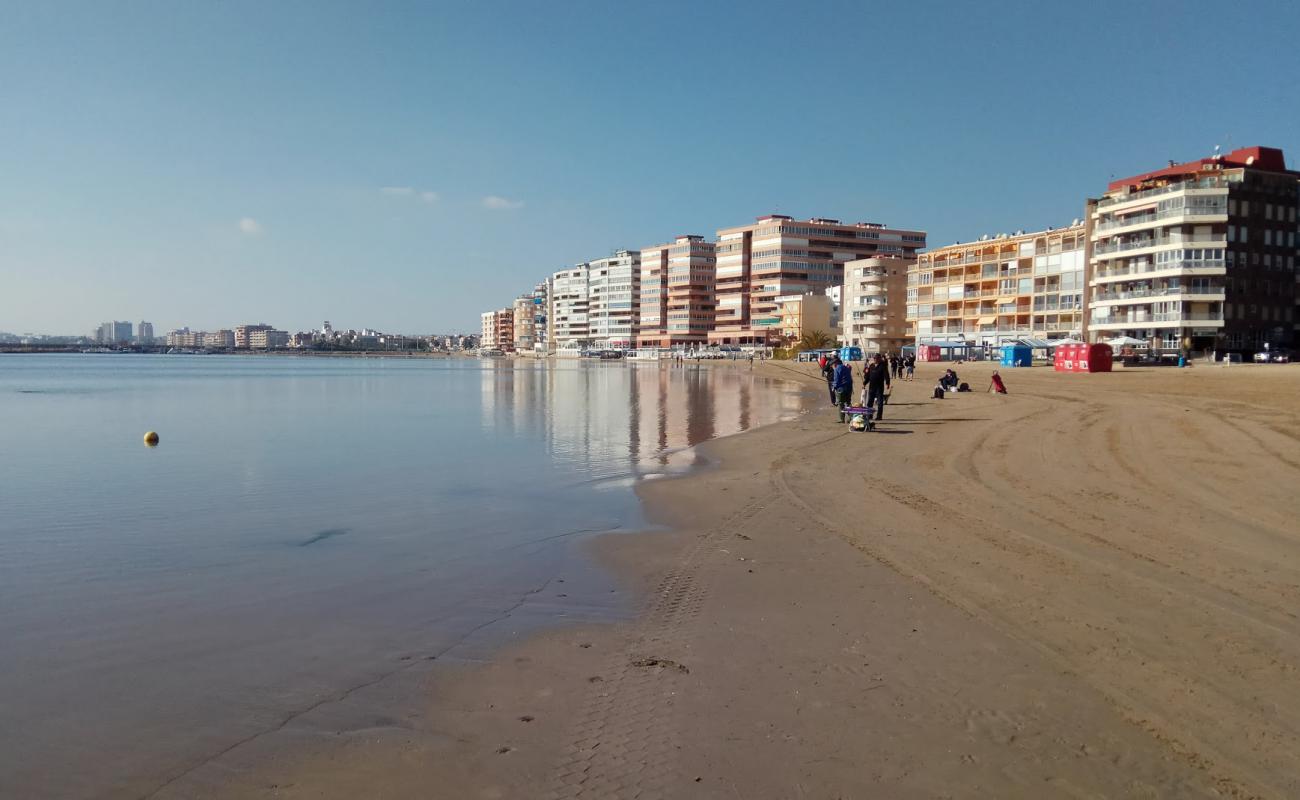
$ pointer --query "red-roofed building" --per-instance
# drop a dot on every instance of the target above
(1198, 256)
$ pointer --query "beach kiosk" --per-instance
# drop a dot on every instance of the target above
(1017, 355)
(1083, 358)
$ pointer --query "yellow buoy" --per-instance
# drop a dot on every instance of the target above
(151, 439)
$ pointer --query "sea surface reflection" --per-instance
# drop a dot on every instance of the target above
(307, 525)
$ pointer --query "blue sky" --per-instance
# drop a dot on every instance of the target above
(404, 166)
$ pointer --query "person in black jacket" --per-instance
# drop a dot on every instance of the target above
(875, 381)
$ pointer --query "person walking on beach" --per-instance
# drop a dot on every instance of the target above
(828, 372)
(910, 364)
(842, 386)
(875, 381)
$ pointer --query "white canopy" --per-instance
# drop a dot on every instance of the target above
(1125, 341)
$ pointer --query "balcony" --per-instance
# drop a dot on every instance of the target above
(1203, 183)
(1169, 213)
(1168, 268)
(1220, 240)
(1166, 319)
(1201, 293)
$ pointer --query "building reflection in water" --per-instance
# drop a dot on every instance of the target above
(617, 420)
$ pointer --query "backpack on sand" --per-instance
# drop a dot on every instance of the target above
(938, 393)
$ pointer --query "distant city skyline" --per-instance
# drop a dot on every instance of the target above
(407, 167)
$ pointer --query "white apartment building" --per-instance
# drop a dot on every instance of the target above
(1198, 256)
(614, 292)
(487, 336)
(569, 326)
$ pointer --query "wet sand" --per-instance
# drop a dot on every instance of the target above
(1086, 588)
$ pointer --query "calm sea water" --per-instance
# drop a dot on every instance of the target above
(304, 525)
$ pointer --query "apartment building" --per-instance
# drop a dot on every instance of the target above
(244, 333)
(487, 332)
(778, 256)
(113, 333)
(541, 314)
(568, 323)
(836, 294)
(144, 333)
(614, 293)
(804, 313)
(1198, 256)
(219, 340)
(184, 337)
(677, 300)
(505, 328)
(1000, 289)
(873, 310)
(523, 327)
(267, 338)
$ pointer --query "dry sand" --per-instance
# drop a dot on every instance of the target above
(1087, 588)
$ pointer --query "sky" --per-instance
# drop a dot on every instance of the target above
(405, 166)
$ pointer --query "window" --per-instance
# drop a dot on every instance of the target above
(1232, 233)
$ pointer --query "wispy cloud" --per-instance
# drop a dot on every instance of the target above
(498, 203)
(249, 226)
(423, 195)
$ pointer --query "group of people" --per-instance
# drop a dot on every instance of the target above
(876, 384)
(903, 367)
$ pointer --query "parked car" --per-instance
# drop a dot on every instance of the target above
(1262, 357)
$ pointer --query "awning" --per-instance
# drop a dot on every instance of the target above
(1035, 343)
(987, 320)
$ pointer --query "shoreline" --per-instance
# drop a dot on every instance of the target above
(834, 613)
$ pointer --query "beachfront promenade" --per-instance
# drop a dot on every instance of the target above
(1083, 588)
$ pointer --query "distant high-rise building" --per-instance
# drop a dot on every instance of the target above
(541, 316)
(677, 300)
(614, 292)
(113, 333)
(569, 323)
(524, 326)
(243, 334)
(264, 337)
(779, 256)
(144, 333)
(219, 340)
(184, 337)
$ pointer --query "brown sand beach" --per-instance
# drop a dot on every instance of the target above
(1086, 588)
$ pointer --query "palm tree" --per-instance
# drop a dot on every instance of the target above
(816, 340)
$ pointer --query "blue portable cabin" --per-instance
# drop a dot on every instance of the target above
(1017, 355)
(850, 354)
